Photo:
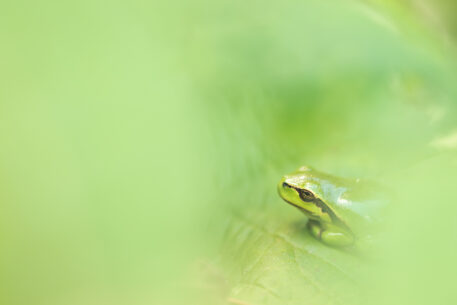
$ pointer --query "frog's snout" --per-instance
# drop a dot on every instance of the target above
(285, 184)
(281, 185)
(285, 189)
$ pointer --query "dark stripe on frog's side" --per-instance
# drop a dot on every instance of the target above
(320, 204)
(326, 209)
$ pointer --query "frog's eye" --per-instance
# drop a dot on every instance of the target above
(306, 195)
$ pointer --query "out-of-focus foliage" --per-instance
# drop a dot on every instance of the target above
(348, 89)
(142, 142)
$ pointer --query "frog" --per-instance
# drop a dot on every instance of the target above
(341, 211)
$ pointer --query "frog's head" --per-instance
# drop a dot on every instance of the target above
(303, 189)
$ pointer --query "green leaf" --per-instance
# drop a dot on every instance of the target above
(270, 258)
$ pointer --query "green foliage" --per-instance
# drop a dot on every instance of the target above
(349, 90)
(142, 143)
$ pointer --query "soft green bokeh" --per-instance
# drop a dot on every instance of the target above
(141, 144)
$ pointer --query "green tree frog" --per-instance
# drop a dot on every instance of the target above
(340, 210)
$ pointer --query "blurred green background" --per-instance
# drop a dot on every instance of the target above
(141, 143)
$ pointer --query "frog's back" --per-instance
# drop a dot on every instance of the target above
(361, 203)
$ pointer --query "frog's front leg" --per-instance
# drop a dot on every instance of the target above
(330, 234)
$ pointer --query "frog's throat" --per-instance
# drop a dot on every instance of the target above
(321, 205)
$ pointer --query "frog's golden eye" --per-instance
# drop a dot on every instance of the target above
(306, 195)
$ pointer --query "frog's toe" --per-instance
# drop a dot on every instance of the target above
(330, 236)
(337, 239)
